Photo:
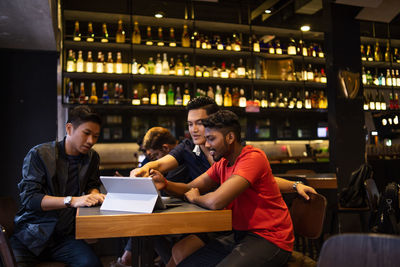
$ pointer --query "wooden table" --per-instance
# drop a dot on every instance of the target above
(316, 180)
(188, 218)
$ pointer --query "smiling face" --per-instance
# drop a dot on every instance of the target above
(217, 143)
(196, 128)
(81, 139)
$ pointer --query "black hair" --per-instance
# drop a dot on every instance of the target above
(203, 102)
(156, 137)
(82, 114)
(225, 121)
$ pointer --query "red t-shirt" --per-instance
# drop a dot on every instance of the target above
(260, 208)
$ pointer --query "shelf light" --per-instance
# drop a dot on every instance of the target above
(374, 133)
(305, 28)
(268, 11)
(159, 15)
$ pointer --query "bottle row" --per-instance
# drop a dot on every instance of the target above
(113, 93)
(380, 77)
(380, 101)
(389, 55)
(184, 68)
(198, 40)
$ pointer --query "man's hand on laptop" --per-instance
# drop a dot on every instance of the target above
(140, 172)
(88, 200)
(159, 179)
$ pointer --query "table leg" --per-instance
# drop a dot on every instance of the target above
(142, 251)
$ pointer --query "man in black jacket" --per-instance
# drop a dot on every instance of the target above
(58, 177)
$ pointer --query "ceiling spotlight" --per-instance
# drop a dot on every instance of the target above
(268, 11)
(305, 28)
(159, 15)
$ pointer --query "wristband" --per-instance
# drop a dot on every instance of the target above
(294, 186)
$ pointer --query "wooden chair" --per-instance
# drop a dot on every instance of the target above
(360, 250)
(8, 210)
(308, 220)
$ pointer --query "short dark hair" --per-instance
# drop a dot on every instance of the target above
(82, 114)
(203, 102)
(224, 120)
(156, 137)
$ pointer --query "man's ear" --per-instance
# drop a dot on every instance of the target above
(230, 137)
(69, 128)
(166, 148)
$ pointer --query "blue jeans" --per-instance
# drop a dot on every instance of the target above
(238, 248)
(75, 253)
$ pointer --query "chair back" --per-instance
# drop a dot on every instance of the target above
(8, 209)
(308, 215)
(372, 193)
(360, 250)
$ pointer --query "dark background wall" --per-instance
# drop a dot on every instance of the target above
(29, 112)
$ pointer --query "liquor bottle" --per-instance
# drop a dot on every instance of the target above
(197, 41)
(396, 101)
(170, 96)
(371, 102)
(303, 48)
(271, 48)
(172, 40)
(178, 97)
(158, 67)
(198, 72)
(235, 97)
(99, 63)
(394, 80)
(256, 44)
(396, 55)
(145, 97)
(291, 50)
(121, 93)
(388, 78)
(136, 37)
(77, 34)
(369, 77)
(214, 72)
(136, 99)
(71, 62)
(185, 37)
(218, 43)
(206, 72)
(89, 62)
(93, 96)
(310, 73)
(149, 39)
(320, 51)
(150, 66)
(228, 44)
(104, 37)
(90, 34)
(264, 101)
(381, 80)
(110, 63)
(397, 78)
(172, 66)
(364, 76)
(256, 99)
(82, 95)
(242, 99)
(227, 98)
(383, 102)
(115, 98)
(369, 53)
(387, 52)
(314, 100)
(236, 44)
(363, 54)
(232, 71)
(186, 65)
(210, 92)
(377, 53)
(208, 43)
(105, 98)
(118, 63)
(71, 94)
(317, 76)
(278, 49)
(312, 50)
(282, 101)
(198, 93)
(241, 70)
(134, 67)
(179, 70)
(120, 36)
(366, 101)
(142, 69)
(323, 101)
(153, 97)
(162, 97)
(299, 102)
(218, 96)
(160, 41)
(271, 101)
(224, 73)
(292, 101)
(307, 100)
(186, 96)
(165, 65)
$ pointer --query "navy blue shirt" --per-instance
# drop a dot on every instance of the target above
(196, 163)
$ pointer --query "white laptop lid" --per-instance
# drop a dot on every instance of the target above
(131, 194)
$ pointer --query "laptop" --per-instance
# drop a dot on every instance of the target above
(133, 194)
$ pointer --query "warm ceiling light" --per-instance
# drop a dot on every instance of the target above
(159, 15)
(268, 11)
(305, 28)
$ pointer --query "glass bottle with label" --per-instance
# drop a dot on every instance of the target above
(165, 65)
(120, 36)
(210, 92)
(227, 98)
(214, 72)
(179, 67)
(291, 49)
(79, 62)
(307, 100)
(185, 37)
(99, 63)
(323, 101)
(241, 70)
(178, 97)
(170, 96)
(232, 71)
(363, 54)
(186, 95)
(153, 97)
(158, 70)
(272, 101)
(104, 36)
(118, 63)
(89, 62)
(160, 40)
(242, 99)
(278, 49)
(71, 67)
(172, 40)
(136, 99)
(366, 102)
(218, 96)
(256, 44)
(105, 97)
(149, 39)
(77, 33)
(110, 63)
(235, 97)
(186, 65)
(387, 52)
(172, 66)
(369, 53)
(136, 37)
(377, 53)
(150, 66)
(162, 97)
(82, 95)
(264, 101)
(93, 96)
(71, 94)
(145, 97)
(90, 34)
(224, 73)
(299, 101)
(135, 68)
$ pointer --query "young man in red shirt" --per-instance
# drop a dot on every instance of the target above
(241, 180)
